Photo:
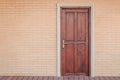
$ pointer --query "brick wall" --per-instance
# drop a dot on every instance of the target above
(107, 37)
(28, 37)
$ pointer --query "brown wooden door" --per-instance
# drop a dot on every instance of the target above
(75, 38)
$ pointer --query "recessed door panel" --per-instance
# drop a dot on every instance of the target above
(75, 41)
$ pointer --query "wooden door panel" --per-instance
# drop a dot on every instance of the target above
(67, 36)
(80, 59)
(81, 30)
(81, 65)
(69, 55)
(69, 26)
(69, 49)
(75, 41)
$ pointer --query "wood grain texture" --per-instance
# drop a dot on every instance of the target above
(75, 39)
(56, 78)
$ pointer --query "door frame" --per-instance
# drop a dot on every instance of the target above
(59, 6)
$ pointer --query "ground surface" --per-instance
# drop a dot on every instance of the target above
(56, 78)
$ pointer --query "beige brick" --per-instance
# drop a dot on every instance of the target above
(28, 37)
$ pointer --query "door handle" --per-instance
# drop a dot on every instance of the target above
(63, 42)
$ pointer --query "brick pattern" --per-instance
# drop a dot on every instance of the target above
(107, 38)
(28, 37)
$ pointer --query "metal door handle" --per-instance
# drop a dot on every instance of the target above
(63, 44)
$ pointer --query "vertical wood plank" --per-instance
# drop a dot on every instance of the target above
(96, 78)
(35, 78)
(117, 78)
(113, 78)
(20, 78)
(51, 78)
(14, 78)
(40, 78)
(65, 78)
(91, 78)
(86, 78)
(57, 78)
(76, 78)
(61, 78)
(9, 78)
(25, 78)
(70, 77)
(4, 77)
(106, 78)
(45, 78)
(0, 77)
(81, 78)
(30, 78)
